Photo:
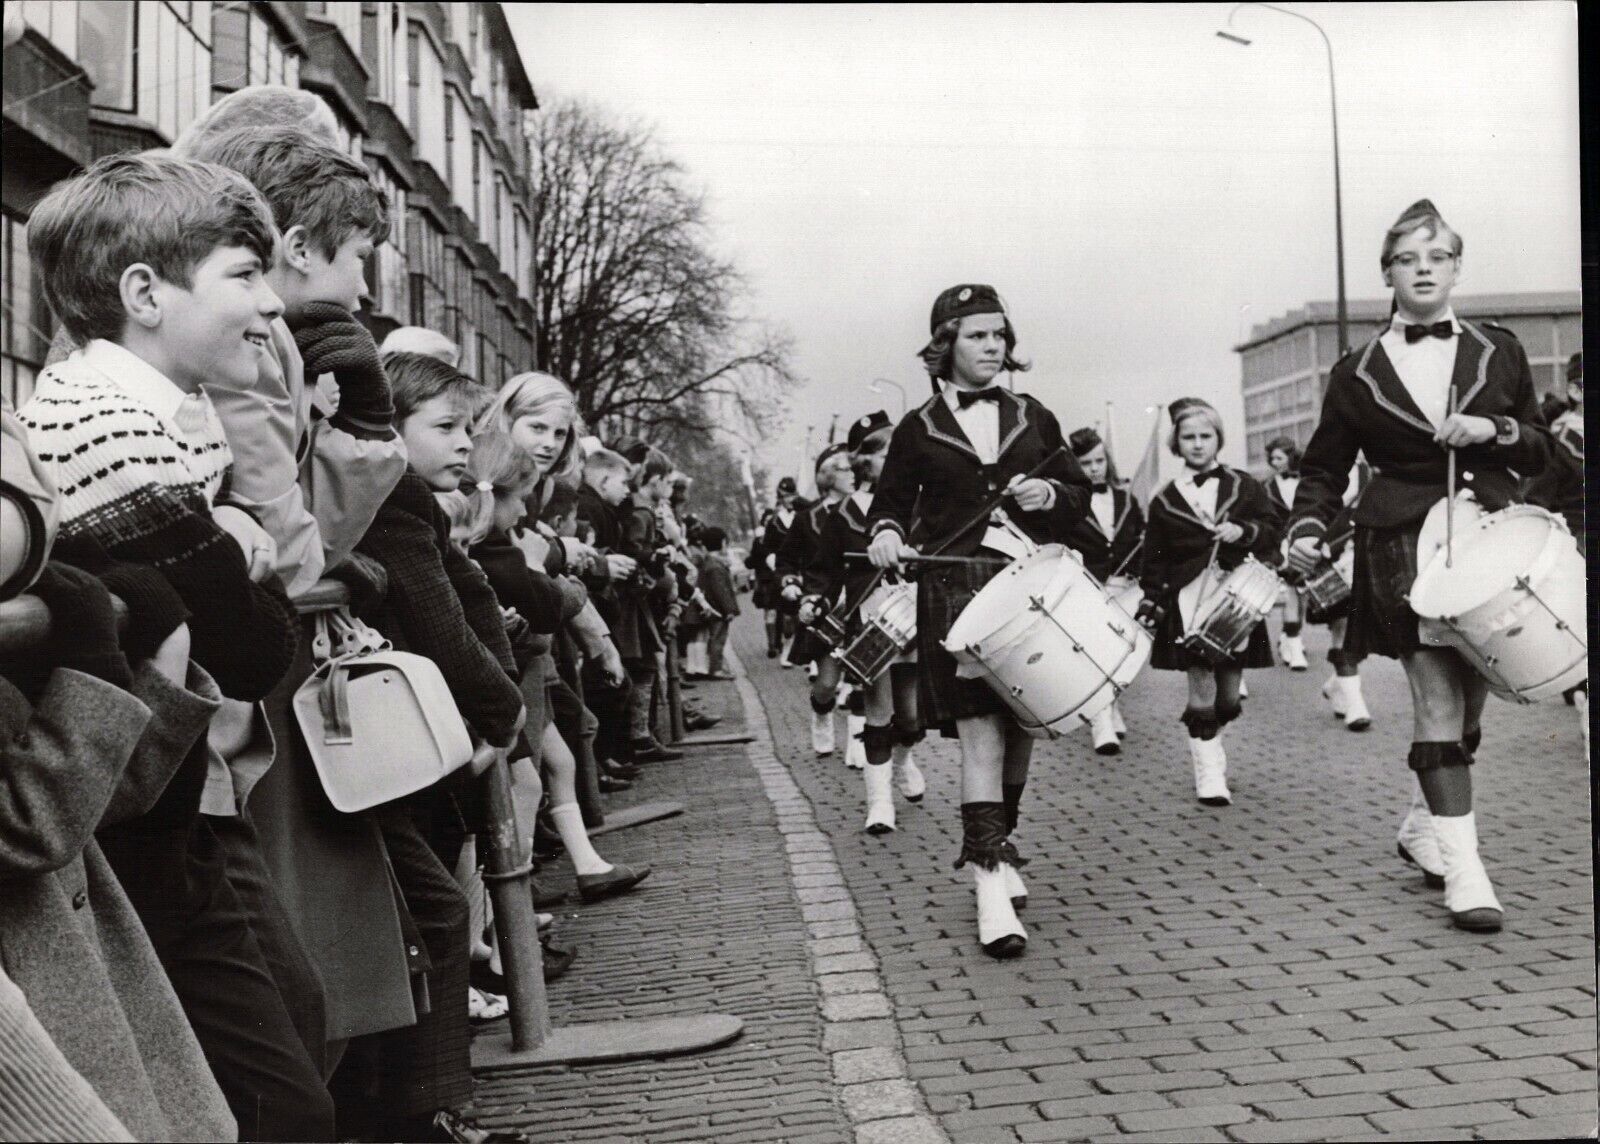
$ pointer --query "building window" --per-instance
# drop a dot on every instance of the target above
(245, 51)
(450, 137)
(106, 39)
(427, 100)
(26, 325)
(56, 21)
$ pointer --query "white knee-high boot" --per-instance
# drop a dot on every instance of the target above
(1210, 771)
(1117, 724)
(999, 931)
(1417, 843)
(822, 732)
(912, 784)
(880, 797)
(855, 753)
(1333, 691)
(1104, 729)
(1468, 894)
(1356, 715)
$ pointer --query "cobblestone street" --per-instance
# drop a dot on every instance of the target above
(1267, 971)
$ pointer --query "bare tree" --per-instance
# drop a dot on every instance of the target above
(632, 306)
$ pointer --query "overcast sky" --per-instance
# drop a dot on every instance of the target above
(1140, 191)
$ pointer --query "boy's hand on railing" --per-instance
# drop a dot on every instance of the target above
(260, 550)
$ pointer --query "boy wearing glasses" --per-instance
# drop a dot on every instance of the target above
(1429, 384)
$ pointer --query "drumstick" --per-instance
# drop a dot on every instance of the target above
(1450, 484)
(911, 558)
(980, 517)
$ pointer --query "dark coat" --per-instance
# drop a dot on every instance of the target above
(773, 535)
(933, 482)
(716, 581)
(846, 530)
(440, 605)
(800, 544)
(1177, 543)
(84, 754)
(1104, 555)
(1367, 410)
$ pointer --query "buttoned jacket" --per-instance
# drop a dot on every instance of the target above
(1105, 554)
(1178, 544)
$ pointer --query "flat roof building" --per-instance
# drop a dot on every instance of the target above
(1284, 364)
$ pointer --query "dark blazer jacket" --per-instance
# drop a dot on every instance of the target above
(800, 543)
(1177, 543)
(1102, 554)
(1368, 410)
(933, 482)
(845, 530)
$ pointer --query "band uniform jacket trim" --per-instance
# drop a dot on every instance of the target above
(1492, 375)
(1107, 554)
(1117, 495)
(845, 530)
(942, 425)
(1229, 487)
(1472, 362)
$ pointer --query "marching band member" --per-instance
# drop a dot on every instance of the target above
(1283, 457)
(972, 442)
(1391, 400)
(1343, 688)
(1107, 539)
(1204, 522)
(770, 535)
(890, 727)
(835, 481)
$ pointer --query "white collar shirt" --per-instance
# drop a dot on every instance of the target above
(980, 421)
(862, 499)
(1286, 487)
(1104, 507)
(1201, 498)
(1424, 367)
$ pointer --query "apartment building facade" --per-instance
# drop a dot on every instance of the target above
(431, 96)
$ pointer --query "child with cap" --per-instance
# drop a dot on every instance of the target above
(770, 535)
(835, 482)
(1204, 522)
(971, 443)
(1283, 458)
(1108, 539)
(1431, 384)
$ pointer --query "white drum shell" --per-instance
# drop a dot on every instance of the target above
(1514, 601)
(1050, 641)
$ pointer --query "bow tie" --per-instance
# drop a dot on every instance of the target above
(965, 398)
(1201, 478)
(1443, 330)
(1102, 488)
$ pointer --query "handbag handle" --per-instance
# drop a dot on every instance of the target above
(333, 699)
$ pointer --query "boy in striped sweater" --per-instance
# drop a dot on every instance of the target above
(156, 267)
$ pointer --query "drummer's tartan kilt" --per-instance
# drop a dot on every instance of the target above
(1381, 619)
(942, 593)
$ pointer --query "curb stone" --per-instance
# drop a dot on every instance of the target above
(862, 1043)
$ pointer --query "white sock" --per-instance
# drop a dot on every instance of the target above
(569, 824)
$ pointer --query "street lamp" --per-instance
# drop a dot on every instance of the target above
(1338, 200)
(898, 388)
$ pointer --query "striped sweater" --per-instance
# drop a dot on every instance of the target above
(138, 465)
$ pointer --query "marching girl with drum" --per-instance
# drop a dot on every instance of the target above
(1283, 457)
(1108, 540)
(1203, 524)
(1428, 386)
(970, 445)
(835, 481)
(1343, 688)
(770, 535)
(891, 727)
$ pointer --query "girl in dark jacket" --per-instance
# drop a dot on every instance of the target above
(1208, 515)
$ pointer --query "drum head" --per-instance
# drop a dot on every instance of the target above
(1486, 561)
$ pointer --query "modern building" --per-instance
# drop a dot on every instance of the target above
(431, 96)
(1284, 365)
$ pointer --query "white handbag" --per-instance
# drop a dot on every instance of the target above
(380, 724)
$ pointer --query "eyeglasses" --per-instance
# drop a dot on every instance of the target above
(1410, 261)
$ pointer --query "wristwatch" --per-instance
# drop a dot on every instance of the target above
(1506, 430)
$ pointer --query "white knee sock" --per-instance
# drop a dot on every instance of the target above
(569, 824)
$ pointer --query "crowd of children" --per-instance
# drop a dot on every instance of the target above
(196, 945)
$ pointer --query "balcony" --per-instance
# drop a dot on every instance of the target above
(46, 112)
(388, 138)
(335, 72)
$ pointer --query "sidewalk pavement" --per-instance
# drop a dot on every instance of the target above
(1268, 971)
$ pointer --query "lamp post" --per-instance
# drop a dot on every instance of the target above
(898, 388)
(1338, 199)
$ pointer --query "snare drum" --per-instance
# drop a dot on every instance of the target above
(1050, 641)
(889, 628)
(1512, 601)
(1327, 594)
(1226, 610)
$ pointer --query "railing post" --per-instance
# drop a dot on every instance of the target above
(506, 870)
(674, 692)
